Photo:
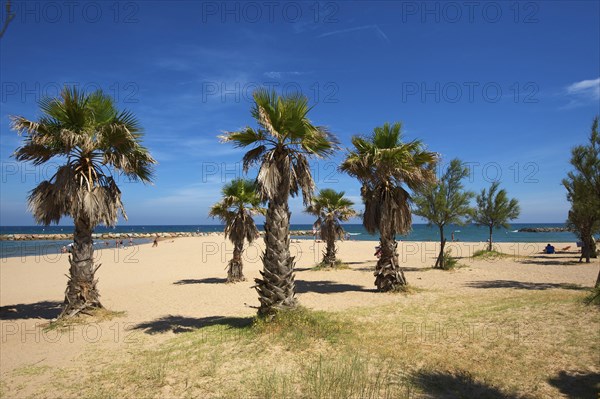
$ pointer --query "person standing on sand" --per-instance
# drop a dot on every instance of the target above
(155, 243)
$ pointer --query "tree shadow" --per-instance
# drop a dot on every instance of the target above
(37, 310)
(580, 385)
(302, 269)
(327, 287)
(364, 262)
(462, 385)
(209, 280)
(404, 269)
(181, 324)
(550, 260)
(524, 285)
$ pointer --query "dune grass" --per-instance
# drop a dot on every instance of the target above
(497, 344)
(91, 316)
(338, 265)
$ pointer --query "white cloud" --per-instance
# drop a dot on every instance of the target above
(281, 74)
(583, 92)
(372, 28)
(588, 88)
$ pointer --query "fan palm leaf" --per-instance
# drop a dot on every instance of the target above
(96, 141)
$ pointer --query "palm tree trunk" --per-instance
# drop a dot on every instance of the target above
(235, 272)
(388, 274)
(490, 240)
(588, 250)
(439, 263)
(329, 255)
(81, 293)
(276, 289)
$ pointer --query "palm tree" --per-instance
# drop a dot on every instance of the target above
(94, 139)
(330, 207)
(281, 146)
(240, 202)
(384, 164)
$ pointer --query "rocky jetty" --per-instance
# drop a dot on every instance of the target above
(543, 230)
(119, 236)
(102, 236)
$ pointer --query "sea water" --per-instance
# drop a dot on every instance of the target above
(420, 232)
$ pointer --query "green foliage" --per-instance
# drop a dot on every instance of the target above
(297, 326)
(449, 262)
(330, 207)
(483, 253)
(494, 208)
(239, 203)
(337, 265)
(94, 140)
(445, 202)
(281, 144)
(383, 164)
(348, 376)
(583, 190)
(594, 297)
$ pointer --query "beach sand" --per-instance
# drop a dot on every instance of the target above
(183, 279)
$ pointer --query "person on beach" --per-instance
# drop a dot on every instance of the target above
(549, 249)
(155, 243)
(130, 241)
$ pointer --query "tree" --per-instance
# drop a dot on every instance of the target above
(330, 207)
(494, 210)
(384, 165)
(94, 139)
(583, 191)
(239, 203)
(445, 202)
(282, 144)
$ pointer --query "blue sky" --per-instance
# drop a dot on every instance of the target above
(507, 87)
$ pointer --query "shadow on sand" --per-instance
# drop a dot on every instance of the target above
(39, 310)
(404, 269)
(446, 385)
(181, 324)
(584, 385)
(550, 260)
(523, 285)
(209, 280)
(327, 287)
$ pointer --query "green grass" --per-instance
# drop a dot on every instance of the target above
(485, 254)
(495, 344)
(31, 370)
(593, 298)
(296, 328)
(92, 316)
(338, 265)
(450, 262)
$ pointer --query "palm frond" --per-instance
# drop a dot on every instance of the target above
(97, 140)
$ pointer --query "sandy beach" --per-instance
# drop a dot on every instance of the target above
(161, 289)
